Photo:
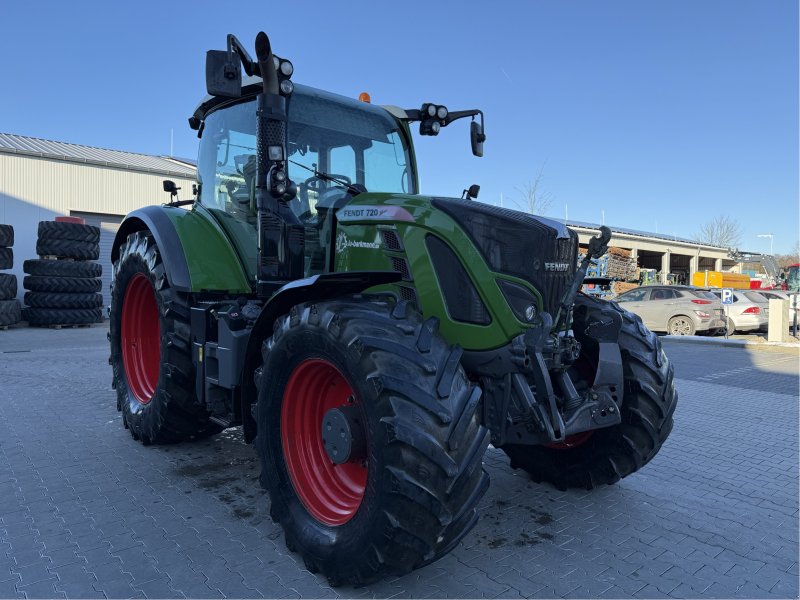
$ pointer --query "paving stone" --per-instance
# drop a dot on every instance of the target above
(8, 588)
(44, 588)
(118, 588)
(158, 588)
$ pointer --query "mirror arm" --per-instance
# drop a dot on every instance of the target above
(460, 114)
(250, 67)
(415, 114)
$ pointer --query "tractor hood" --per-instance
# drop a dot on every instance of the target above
(540, 251)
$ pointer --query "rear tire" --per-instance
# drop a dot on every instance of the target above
(648, 403)
(6, 236)
(415, 496)
(10, 312)
(59, 300)
(62, 268)
(8, 286)
(151, 350)
(68, 249)
(6, 258)
(75, 285)
(730, 327)
(63, 316)
(61, 230)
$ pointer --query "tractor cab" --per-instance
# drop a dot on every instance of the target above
(793, 278)
(360, 147)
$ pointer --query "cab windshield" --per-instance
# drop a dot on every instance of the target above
(352, 141)
(793, 280)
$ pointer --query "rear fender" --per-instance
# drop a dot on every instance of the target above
(310, 289)
(197, 254)
(155, 220)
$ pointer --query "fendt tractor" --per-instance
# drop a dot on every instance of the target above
(370, 341)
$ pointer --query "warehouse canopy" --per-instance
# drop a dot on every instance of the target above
(30, 146)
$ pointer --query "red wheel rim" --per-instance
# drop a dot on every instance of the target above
(141, 338)
(331, 493)
(572, 441)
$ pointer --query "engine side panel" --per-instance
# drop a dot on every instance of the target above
(362, 244)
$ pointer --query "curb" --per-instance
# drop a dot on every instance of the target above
(784, 347)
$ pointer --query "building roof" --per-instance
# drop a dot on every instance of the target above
(30, 146)
(639, 233)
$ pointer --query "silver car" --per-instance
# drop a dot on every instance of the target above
(675, 309)
(749, 311)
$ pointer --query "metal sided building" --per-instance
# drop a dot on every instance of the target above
(42, 179)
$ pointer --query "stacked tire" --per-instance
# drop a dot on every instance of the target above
(9, 305)
(63, 284)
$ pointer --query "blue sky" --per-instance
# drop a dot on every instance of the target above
(662, 114)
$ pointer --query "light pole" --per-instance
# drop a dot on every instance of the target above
(767, 235)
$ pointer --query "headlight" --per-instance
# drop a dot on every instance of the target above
(287, 87)
(287, 68)
(441, 112)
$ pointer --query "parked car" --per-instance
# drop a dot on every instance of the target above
(783, 295)
(749, 311)
(675, 309)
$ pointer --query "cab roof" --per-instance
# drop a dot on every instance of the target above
(251, 86)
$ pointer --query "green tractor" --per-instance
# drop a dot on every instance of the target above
(370, 341)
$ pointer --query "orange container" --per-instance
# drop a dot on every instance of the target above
(718, 279)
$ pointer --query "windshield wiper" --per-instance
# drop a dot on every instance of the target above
(352, 189)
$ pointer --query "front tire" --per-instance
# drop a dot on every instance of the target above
(411, 494)
(648, 403)
(150, 349)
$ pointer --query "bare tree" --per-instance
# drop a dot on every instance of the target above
(784, 260)
(722, 231)
(533, 198)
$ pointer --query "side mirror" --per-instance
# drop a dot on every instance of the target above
(476, 138)
(170, 187)
(471, 193)
(223, 74)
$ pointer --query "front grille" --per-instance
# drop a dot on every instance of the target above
(525, 246)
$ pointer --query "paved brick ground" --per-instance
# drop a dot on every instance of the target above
(86, 512)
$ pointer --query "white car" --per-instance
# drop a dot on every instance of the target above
(749, 311)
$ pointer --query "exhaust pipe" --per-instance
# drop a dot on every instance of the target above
(281, 239)
(266, 64)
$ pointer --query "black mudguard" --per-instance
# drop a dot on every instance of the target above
(167, 239)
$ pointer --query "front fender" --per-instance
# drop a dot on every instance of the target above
(197, 254)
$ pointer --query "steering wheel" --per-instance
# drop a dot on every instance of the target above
(314, 183)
